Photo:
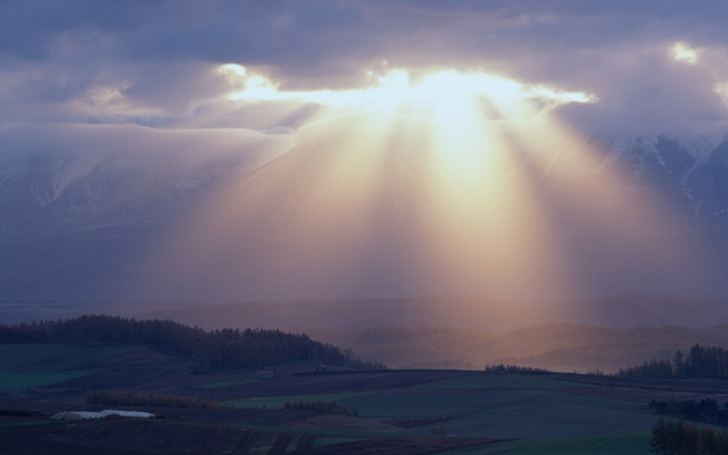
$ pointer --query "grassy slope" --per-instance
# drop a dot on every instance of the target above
(26, 366)
(545, 413)
(507, 407)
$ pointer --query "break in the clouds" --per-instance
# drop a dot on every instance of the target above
(653, 65)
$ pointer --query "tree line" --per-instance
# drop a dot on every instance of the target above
(680, 438)
(513, 369)
(699, 362)
(705, 410)
(222, 348)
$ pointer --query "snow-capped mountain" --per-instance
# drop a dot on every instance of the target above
(55, 184)
(49, 195)
(686, 171)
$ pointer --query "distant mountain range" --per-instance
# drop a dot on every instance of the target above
(686, 170)
(351, 316)
(606, 333)
(245, 223)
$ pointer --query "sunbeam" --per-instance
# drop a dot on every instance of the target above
(466, 183)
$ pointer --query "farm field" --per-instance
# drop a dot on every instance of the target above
(41, 365)
(396, 411)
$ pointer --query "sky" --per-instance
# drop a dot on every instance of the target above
(643, 67)
(413, 127)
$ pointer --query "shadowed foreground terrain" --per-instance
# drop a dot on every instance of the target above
(395, 411)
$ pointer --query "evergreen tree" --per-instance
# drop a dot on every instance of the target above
(225, 348)
(660, 436)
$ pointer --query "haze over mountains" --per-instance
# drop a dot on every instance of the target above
(176, 221)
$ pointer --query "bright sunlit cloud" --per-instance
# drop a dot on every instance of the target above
(395, 89)
(441, 86)
(683, 53)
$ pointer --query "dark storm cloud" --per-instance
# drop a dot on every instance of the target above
(315, 32)
(29, 29)
(162, 54)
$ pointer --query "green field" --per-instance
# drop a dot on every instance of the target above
(623, 444)
(533, 407)
(510, 381)
(231, 383)
(541, 416)
(18, 381)
(507, 407)
(27, 366)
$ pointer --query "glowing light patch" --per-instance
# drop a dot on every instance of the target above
(448, 84)
(682, 53)
(394, 90)
(255, 86)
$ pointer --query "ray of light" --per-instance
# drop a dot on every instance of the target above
(457, 184)
(488, 235)
(302, 219)
(605, 213)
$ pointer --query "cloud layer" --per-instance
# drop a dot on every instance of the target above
(156, 62)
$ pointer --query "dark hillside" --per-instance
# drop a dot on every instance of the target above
(223, 348)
